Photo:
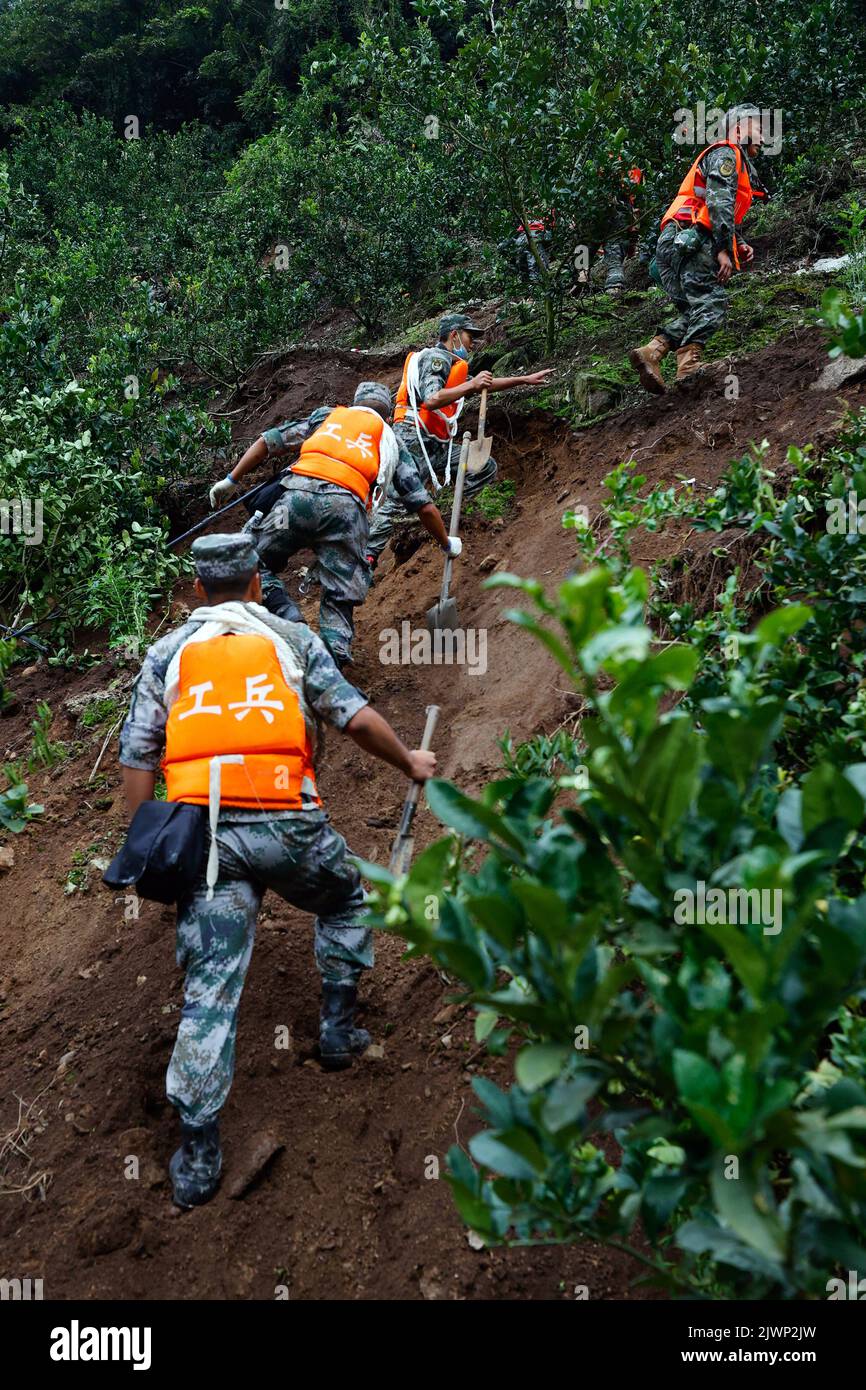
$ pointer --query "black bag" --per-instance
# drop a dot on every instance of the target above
(163, 851)
(265, 500)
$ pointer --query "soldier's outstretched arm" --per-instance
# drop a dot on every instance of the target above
(255, 454)
(506, 383)
(339, 704)
(374, 734)
(272, 444)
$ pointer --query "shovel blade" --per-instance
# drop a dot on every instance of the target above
(479, 453)
(443, 616)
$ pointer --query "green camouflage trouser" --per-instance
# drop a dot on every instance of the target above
(327, 519)
(303, 859)
(689, 279)
(391, 513)
(615, 255)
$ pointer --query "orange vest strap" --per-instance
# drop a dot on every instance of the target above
(431, 420)
(689, 206)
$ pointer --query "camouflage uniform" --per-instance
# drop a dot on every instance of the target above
(331, 521)
(623, 240)
(527, 267)
(689, 278)
(297, 853)
(434, 368)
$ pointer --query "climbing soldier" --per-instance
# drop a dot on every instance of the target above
(698, 249)
(430, 398)
(349, 456)
(623, 241)
(230, 701)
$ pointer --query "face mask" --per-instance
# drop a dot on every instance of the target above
(461, 351)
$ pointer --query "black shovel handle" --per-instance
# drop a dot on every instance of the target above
(208, 520)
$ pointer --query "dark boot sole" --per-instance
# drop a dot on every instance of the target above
(336, 1061)
(647, 380)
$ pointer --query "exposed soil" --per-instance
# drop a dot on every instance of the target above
(344, 1209)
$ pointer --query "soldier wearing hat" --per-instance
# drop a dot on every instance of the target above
(699, 249)
(349, 459)
(433, 390)
(228, 705)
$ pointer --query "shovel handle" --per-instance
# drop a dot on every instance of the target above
(482, 413)
(455, 511)
(414, 791)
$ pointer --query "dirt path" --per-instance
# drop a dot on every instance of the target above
(346, 1208)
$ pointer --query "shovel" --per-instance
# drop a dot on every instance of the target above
(444, 613)
(479, 449)
(401, 854)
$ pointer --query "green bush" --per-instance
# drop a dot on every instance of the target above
(688, 1041)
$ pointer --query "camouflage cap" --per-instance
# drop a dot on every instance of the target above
(741, 113)
(374, 393)
(449, 322)
(224, 559)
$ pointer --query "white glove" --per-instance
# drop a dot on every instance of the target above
(222, 489)
(454, 547)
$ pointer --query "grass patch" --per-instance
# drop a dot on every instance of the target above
(100, 712)
(494, 500)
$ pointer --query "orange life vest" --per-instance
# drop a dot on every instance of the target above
(690, 203)
(345, 450)
(234, 699)
(431, 420)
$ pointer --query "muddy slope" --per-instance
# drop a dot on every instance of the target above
(349, 1205)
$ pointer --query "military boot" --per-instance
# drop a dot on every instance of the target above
(196, 1166)
(339, 1039)
(689, 360)
(645, 361)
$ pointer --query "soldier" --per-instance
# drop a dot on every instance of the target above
(346, 455)
(698, 249)
(230, 701)
(430, 398)
(623, 243)
(542, 235)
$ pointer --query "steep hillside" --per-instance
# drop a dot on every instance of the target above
(338, 1201)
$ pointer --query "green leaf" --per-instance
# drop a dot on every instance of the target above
(513, 1153)
(485, 1022)
(539, 1064)
(736, 1203)
(468, 817)
(782, 623)
(664, 1152)
(696, 1079)
(828, 796)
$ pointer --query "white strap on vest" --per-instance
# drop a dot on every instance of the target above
(389, 453)
(246, 619)
(450, 421)
(213, 806)
(221, 620)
